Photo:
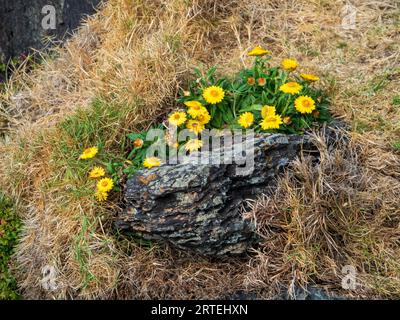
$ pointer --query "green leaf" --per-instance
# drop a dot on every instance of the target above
(251, 108)
(197, 72)
(264, 97)
(228, 116)
(217, 120)
(133, 136)
(211, 72)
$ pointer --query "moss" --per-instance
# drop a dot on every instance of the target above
(9, 230)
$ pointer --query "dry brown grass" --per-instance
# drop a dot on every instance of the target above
(136, 54)
(342, 211)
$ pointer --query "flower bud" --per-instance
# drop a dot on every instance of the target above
(138, 143)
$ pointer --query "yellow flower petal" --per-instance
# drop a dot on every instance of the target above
(193, 103)
(105, 184)
(195, 111)
(97, 172)
(304, 104)
(271, 122)
(101, 195)
(204, 117)
(268, 111)
(291, 88)
(195, 126)
(177, 118)
(213, 94)
(309, 77)
(246, 119)
(258, 51)
(193, 145)
(151, 162)
(89, 153)
(289, 64)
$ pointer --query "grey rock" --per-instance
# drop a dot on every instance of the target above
(309, 293)
(21, 23)
(200, 207)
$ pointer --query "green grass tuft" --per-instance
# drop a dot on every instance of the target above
(100, 125)
(396, 101)
(82, 250)
(396, 146)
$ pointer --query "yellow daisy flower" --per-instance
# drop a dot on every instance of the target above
(204, 117)
(151, 162)
(89, 153)
(101, 195)
(304, 104)
(246, 119)
(97, 172)
(195, 111)
(213, 94)
(193, 103)
(268, 111)
(193, 145)
(291, 87)
(289, 64)
(258, 51)
(195, 126)
(105, 184)
(177, 118)
(271, 122)
(309, 77)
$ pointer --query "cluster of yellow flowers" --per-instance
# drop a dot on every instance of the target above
(197, 116)
(194, 118)
(303, 104)
(104, 185)
(270, 120)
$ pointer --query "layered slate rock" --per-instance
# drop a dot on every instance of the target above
(201, 207)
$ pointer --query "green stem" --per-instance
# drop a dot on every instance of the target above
(234, 105)
(285, 108)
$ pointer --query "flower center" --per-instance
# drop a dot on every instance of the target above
(214, 93)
